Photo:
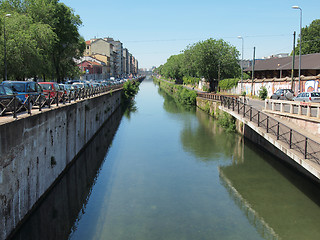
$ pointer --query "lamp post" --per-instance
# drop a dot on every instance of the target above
(297, 7)
(241, 63)
(5, 47)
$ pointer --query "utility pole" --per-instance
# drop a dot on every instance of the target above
(293, 59)
(253, 62)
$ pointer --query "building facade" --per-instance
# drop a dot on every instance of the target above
(119, 63)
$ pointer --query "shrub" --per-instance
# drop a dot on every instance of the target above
(190, 80)
(229, 83)
(130, 89)
(227, 121)
(187, 97)
(263, 93)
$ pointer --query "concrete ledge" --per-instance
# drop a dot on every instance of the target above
(302, 117)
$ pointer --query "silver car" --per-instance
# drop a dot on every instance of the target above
(308, 97)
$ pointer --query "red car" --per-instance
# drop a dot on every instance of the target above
(52, 89)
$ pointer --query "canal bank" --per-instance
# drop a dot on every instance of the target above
(233, 121)
(54, 217)
(36, 150)
(263, 139)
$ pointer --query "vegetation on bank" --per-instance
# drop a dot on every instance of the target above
(212, 59)
(228, 83)
(188, 97)
(42, 39)
(191, 81)
(227, 121)
(181, 94)
(130, 89)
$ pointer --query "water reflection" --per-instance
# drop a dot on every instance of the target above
(57, 216)
(202, 137)
(129, 108)
(277, 201)
(269, 194)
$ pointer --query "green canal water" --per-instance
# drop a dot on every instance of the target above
(163, 172)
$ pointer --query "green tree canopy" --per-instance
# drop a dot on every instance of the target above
(310, 38)
(211, 59)
(42, 39)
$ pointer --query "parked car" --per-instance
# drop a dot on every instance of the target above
(7, 100)
(25, 90)
(308, 97)
(52, 89)
(283, 94)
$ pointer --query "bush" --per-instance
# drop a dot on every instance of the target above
(227, 121)
(229, 83)
(263, 93)
(130, 89)
(205, 88)
(187, 97)
(190, 80)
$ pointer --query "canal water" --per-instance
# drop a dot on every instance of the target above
(160, 171)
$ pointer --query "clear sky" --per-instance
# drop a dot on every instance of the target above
(154, 30)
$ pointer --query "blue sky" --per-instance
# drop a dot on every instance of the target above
(154, 30)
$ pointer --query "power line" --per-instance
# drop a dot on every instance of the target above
(197, 39)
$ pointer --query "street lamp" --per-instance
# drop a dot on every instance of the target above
(241, 63)
(297, 7)
(5, 47)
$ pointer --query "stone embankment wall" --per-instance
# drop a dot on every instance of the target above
(34, 152)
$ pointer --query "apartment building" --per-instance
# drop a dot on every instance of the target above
(118, 61)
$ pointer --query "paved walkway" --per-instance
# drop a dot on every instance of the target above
(259, 105)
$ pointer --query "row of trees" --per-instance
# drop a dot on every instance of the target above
(212, 59)
(42, 39)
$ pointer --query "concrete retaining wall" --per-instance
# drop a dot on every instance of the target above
(264, 140)
(34, 151)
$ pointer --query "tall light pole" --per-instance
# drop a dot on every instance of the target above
(5, 47)
(297, 7)
(241, 63)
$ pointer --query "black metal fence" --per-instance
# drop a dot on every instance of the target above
(14, 105)
(293, 139)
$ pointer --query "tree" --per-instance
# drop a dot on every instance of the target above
(211, 59)
(214, 60)
(43, 39)
(310, 38)
(26, 43)
(69, 45)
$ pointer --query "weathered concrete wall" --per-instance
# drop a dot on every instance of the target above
(35, 150)
(50, 220)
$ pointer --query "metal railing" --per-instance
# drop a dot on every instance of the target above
(47, 99)
(309, 148)
(213, 96)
